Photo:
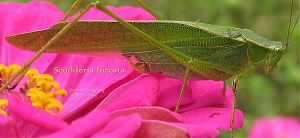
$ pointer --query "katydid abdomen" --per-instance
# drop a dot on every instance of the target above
(218, 52)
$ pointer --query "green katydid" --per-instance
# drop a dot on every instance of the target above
(196, 50)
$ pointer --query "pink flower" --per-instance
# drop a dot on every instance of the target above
(277, 127)
(108, 104)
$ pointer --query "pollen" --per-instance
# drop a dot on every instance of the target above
(3, 103)
(8, 72)
(41, 89)
(45, 100)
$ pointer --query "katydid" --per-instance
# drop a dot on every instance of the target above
(180, 49)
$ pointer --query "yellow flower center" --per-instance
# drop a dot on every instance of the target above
(41, 89)
(3, 103)
(8, 72)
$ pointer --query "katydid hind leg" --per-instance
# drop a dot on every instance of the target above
(186, 75)
(169, 51)
(174, 54)
(234, 90)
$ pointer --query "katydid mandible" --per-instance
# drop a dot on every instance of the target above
(179, 49)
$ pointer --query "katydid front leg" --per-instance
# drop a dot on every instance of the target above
(27, 65)
(148, 9)
(68, 14)
(20, 75)
(72, 9)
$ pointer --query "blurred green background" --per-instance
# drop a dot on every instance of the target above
(260, 95)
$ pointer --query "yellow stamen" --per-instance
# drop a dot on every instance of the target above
(38, 97)
(43, 92)
(41, 89)
(53, 104)
(60, 92)
(13, 69)
(8, 72)
(2, 69)
(45, 100)
(3, 102)
(44, 77)
(32, 73)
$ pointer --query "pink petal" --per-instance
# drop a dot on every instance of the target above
(99, 83)
(87, 88)
(125, 12)
(150, 113)
(277, 127)
(5, 7)
(169, 91)
(22, 20)
(124, 126)
(132, 94)
(31, 115)
(85, 126)
(154, 128)
(68, 80)
(7, 127)
(209, 94)
(214, 117)
(200, 130)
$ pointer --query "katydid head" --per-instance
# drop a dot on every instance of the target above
(275, 54)
(272, 59)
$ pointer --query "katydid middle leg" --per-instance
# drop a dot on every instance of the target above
(186, 75)
(224, 87)
(21, 73)
(136, 67)
(171, 52)
(234, 90)
(151, 11)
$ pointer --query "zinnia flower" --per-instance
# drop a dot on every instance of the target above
(276, 127)
(109, 104)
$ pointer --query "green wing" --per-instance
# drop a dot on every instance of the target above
(222, 56)
(219, 52)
